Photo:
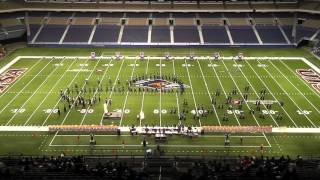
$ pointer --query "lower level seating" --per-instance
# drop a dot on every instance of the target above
(160, 34)
(186, 34)
(51, 33)
(135, 34)
(104, 167)
(33, 31)
(78, 33)
(270, 34)
(106, 33)
(215, 34)
(288, 31)
(304, 32)
(243, 34)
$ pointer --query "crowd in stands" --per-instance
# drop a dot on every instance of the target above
(87, 167)
(61, 166)
(247, 168)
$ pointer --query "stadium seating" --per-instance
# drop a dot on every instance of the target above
(243, 34)
(78, 34)
(304, 33)
(288, 31)
(135, 34)
(104, 167)
(215, 34)
(160, 34)
(106, 34)
(270, 34)
(51, 33)
(11, 25)
(33, 31)
(105, 28)
(186, 34)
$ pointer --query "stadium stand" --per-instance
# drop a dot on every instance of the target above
(59, 23)
(160, 34)
(270, 34)
(133, 34)
(11, 25)
(137, 21)
(243, 34)
(186, 34)
(91, 167)
(51, 33)
(160, 15)
(160, 21)
(245, 28)
(106, 34)
(201, 28)
(215, 34)
(78, 34)
(304, 33)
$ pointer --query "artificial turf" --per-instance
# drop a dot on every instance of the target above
(33, 98)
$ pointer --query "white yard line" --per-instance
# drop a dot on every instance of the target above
(142, 101)
(296, 88)
(74, 78)
(254, 117)
(50, 144)
(299, 77)
(48, 94)
(289, 96)
(112, 89)
(224, 91)
(177, 98)
(14, 98)
(160, 111)
(35, 91)
(7, 66)
(20, 77)
(69, 110)
(125, 101)
(209, 94)
(255, 93)
(310, 64)
(64, 92)
(163, 145)
(128, 135)
(194, 99)
(96, 91)
(272, 94)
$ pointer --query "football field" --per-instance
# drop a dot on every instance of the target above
(45, 90)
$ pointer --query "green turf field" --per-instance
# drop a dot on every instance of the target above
(34, 99)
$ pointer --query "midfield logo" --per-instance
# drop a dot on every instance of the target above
(311, 77)
(159, 84)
